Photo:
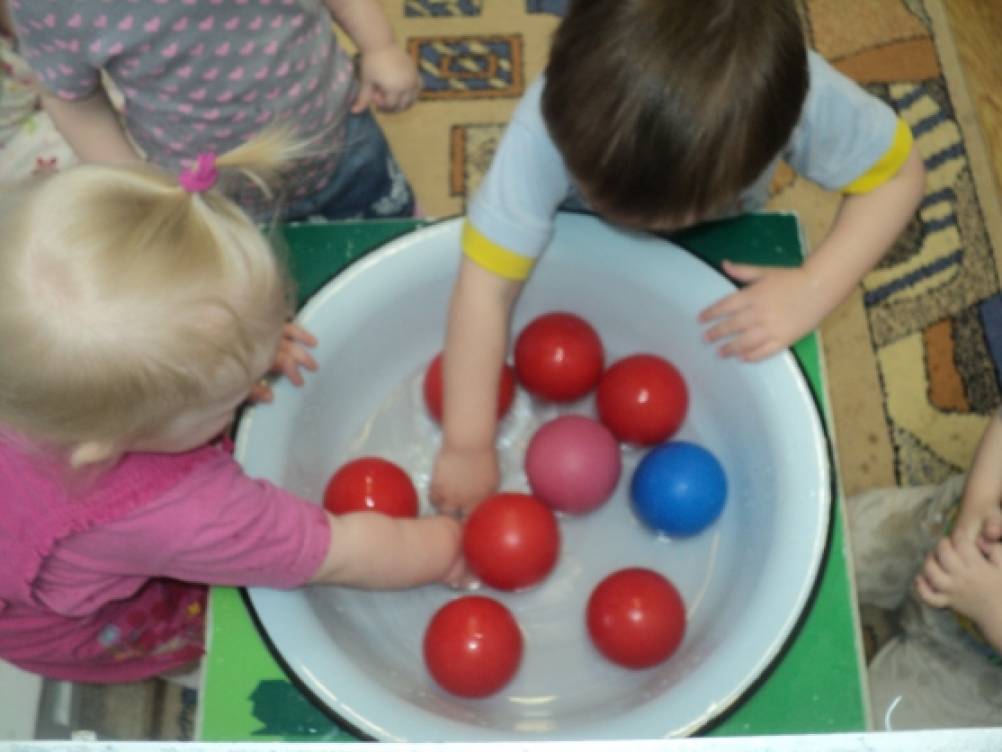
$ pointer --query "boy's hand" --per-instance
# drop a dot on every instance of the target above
(461, 479)
(291, 356)
(388, 80)
(967, 577)
(778, 307)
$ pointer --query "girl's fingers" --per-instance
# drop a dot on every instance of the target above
(295, 332)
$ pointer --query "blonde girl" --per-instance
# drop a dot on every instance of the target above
(137, 311)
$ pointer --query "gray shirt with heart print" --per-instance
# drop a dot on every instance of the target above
(200, 75)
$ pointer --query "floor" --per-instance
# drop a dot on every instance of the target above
(159, 710)
(977, 29)
(147, 710)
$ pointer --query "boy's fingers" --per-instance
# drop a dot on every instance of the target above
(723, 329)
(743, 272)
(732, 304)
(748, 341)
(762, 351)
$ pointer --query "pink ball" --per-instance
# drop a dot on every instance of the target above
(573, 463)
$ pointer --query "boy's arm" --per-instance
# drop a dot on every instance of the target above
(91, 127)
(372, 550)
(387, 75)
(466, 469)
(779, 306)
(980, 511)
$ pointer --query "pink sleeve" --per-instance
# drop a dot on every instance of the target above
(217, 527)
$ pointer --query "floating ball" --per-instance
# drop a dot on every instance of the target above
(636, 618)
(472, 646)
(431, 387)
(678, 488)
(642, 399)
(371, 484)
(573, 463)
(559, 357)
(511, 541)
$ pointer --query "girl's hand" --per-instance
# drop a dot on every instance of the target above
(778, 307)
(291, 356)
(388, 80)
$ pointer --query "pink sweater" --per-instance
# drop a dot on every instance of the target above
(106, 583)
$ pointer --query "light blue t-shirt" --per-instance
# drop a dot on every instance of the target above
(846, 140)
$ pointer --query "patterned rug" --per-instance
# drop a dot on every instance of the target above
(912, 361)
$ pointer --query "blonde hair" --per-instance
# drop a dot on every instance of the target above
(125, 300)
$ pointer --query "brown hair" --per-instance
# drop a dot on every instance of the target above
(666, 109)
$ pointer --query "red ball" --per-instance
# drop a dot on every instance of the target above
(642, 399)
(559, 357)
(472, 646)
(511, 541)
(636, 618)
(432, 388)
(371, 484)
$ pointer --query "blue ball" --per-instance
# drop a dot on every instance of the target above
(678, 488)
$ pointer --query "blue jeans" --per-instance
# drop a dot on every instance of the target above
(367, 184)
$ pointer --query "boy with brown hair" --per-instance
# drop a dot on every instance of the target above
(657, 114)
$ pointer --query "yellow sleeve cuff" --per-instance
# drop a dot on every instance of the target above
(888, 165)
(493, 257)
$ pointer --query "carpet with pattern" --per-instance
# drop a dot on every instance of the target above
(912, 358)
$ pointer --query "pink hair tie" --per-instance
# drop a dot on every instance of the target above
(202, 177)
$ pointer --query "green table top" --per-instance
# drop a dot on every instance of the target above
(815, 685)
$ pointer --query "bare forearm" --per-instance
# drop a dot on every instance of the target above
(864, 229)
(92, 128)
(374, 551)
(983, 489)
(475, 347)
(364, 21)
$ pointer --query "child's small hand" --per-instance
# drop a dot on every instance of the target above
(967, 577)
(777, 307)
(462, 479)
(291, 356)
(978, 522)
(388, 80)
(459, 577)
